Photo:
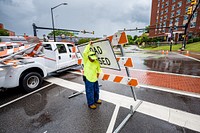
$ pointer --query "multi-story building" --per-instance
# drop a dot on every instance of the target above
(172, 14)
(11, 33)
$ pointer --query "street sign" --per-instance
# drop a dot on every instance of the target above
(104, 52)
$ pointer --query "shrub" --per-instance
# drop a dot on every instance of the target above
(196, 39)
(190, 41)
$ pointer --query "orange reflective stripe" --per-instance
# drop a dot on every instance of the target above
(118, 79)
(123, 38)
(105, 77)
(35, 49)
(110, 38)
(118, 58)
(79, 61)
(133, 82)
(129, 63)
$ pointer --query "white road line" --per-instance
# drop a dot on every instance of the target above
(190, 94)
(23, 96)
(162, 89)
(178, 117)
(113, 119)
(188, 57)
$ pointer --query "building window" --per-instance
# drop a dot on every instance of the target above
(173, 1)
(175, 27)
(173, 7)
(177, 20)
(167, 3)
(194, 15)
(185, 17)
(178, 12)
(163, 0)
(186, 9)
(159, 4)
(160, 24)
(171, 21)
(164, 24)
(162, 6)
(193, 24)
(160, 18)
(165, 17)
(166, 10)
(179, 4)
(172, 14)
(188, 1)
(161, 12)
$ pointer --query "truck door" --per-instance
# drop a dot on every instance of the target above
(63, 56)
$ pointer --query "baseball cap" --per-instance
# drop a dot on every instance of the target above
(92, 55)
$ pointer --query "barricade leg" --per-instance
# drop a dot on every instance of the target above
(127, 117)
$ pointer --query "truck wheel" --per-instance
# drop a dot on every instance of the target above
(31, 81)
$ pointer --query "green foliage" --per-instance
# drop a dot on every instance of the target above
(130, 40)
(193, 47)
(197, 39)
(190, 41)
(61, 32)
(135, 37)
(3, 32)
(85, 40)
(147, 29)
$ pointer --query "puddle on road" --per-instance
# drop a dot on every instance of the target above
(172, 63)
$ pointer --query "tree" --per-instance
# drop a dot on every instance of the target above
(85, 40)
(147, 29)
(135, 37)
(130, 40)
(61, 32)
(3, 32)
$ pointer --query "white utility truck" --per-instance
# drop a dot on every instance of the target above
(28, 67)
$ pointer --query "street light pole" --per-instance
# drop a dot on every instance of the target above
(54, 36)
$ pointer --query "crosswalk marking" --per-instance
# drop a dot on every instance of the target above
(174, 116)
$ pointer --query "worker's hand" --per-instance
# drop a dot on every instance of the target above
(90, 42)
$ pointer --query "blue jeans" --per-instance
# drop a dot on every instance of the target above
(92, 92)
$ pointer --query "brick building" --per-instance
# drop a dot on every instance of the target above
(11, 33)
(173, 13)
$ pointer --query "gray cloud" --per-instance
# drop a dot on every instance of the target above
(105, 17)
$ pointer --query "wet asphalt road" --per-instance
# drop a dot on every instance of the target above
(50, 110)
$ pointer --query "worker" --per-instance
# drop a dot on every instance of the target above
(91, 72)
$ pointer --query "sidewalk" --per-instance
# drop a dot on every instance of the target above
(171, 81)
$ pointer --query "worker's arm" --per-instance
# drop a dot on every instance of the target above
(86, 51)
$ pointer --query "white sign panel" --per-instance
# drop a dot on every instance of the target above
(104, 53)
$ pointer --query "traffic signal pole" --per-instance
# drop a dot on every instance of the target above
(187, 24)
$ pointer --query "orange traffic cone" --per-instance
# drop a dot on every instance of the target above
(187, 52)
(163, 51)
(167, 52)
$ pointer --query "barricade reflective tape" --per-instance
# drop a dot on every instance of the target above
(117, 79)
(123, 61)
(118, 38)
(36, 49)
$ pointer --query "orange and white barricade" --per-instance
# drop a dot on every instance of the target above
(118, 38)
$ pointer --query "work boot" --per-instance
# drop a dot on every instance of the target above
(93, 106)
(98, 102)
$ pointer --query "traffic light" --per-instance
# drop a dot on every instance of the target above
(193, 2)
(189, 11)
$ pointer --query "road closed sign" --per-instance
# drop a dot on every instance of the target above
(104, 52)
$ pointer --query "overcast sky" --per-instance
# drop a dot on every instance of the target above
(104, 17)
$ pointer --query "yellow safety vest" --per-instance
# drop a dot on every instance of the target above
(90, 68)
